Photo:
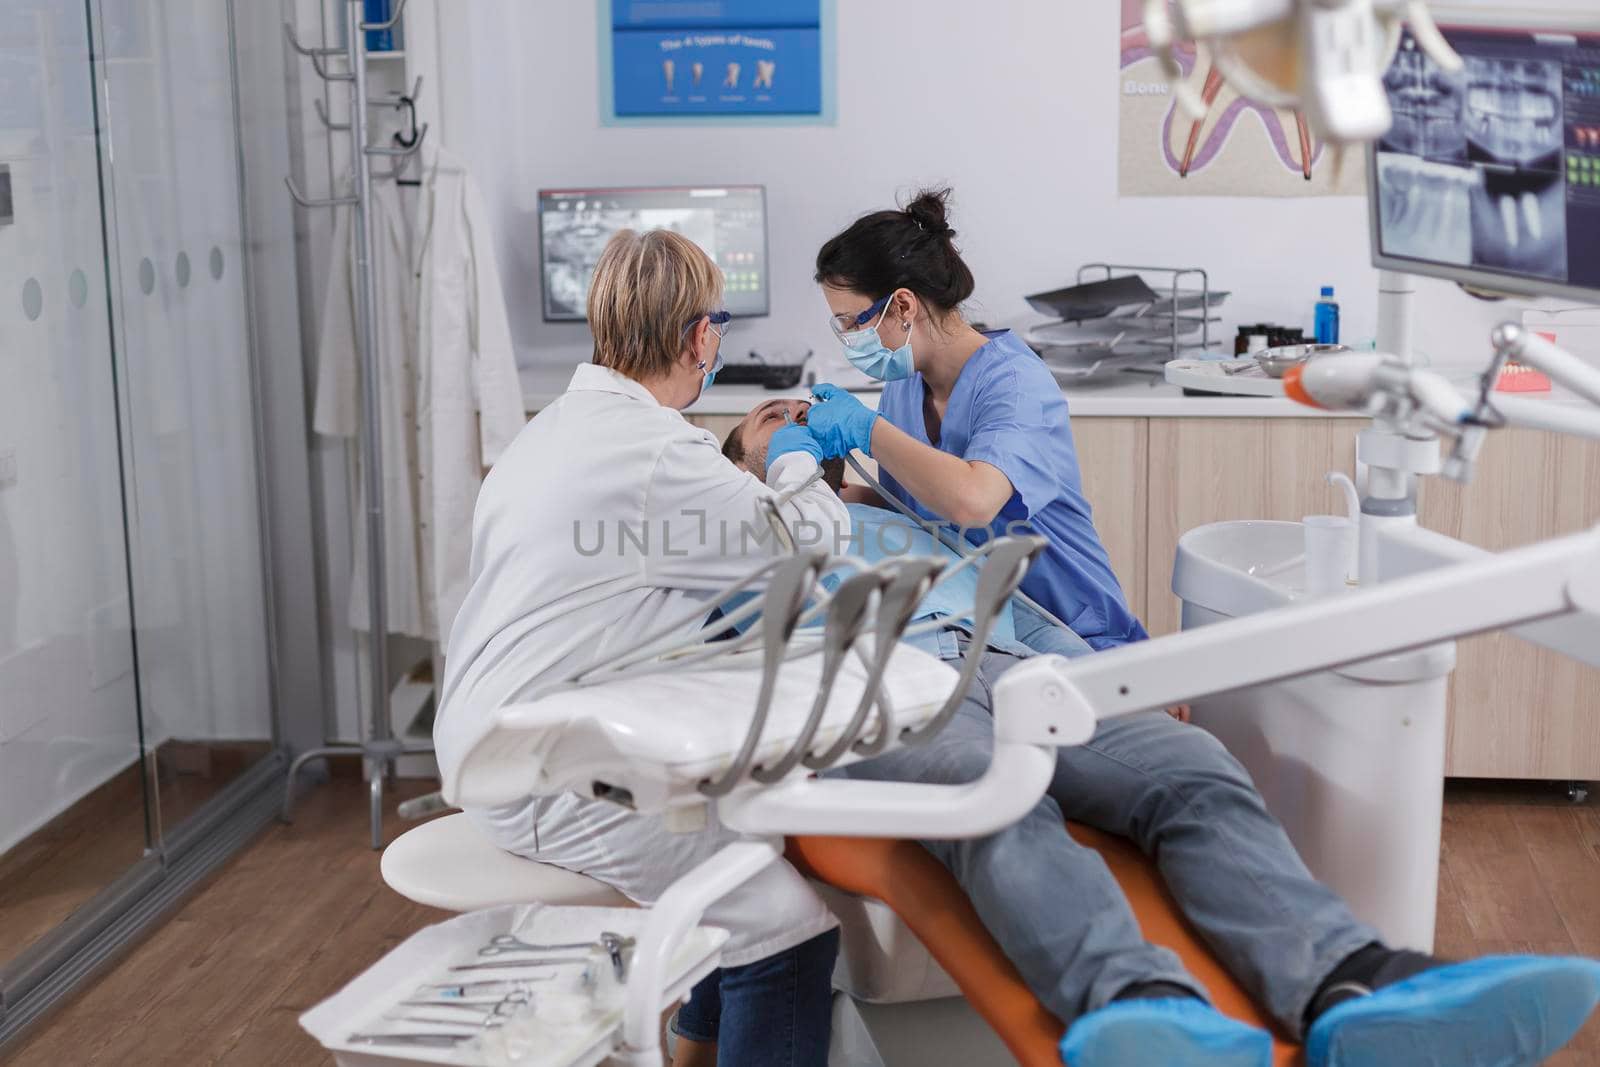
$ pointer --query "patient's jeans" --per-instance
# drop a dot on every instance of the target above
(1175, 792)
(775, 1012)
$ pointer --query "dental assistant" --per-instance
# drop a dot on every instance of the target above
(608, 516)
(972, 428)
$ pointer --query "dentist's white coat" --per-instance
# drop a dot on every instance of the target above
(554, 589)
(451, 398)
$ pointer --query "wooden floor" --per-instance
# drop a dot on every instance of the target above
(55, 870)
(304, 910)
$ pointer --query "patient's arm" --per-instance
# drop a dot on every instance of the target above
(860, 494)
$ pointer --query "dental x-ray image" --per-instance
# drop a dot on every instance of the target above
(1469, 173)
(573, 241)
(728, 223)
(1427, 106)
(1513, 111)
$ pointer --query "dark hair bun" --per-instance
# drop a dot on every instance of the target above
(927, 210)
(911, 248)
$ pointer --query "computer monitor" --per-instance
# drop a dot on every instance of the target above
(729, 222)
(1491, 176)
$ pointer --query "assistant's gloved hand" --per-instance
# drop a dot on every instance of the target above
(793, 438)
(840, 421)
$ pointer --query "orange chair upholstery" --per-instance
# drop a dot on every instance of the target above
(922, 893)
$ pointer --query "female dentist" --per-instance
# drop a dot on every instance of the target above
(608, 515)
(974, 429)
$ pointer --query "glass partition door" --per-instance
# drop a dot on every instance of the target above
(73, 800)
(181, 316)
(135, 683)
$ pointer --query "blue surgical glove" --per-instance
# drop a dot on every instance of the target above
(840, 421)
(793, 438)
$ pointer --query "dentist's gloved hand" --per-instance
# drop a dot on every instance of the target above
(840, 421)
(793, 438)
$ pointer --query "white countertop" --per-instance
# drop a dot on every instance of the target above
(1136, 396)
(1133, 396)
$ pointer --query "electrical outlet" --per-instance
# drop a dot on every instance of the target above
(8, 468)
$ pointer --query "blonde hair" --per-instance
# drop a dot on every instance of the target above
(647, 288)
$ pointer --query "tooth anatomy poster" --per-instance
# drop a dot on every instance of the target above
(1237, 148)
(716, 57)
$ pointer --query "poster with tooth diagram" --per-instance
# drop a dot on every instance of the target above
(716, 58)
(1238, 148)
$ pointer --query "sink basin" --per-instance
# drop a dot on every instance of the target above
(1350, 759)
(1240, 568)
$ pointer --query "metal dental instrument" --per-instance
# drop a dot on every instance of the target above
(509, 985)
(488, 1014)
(515, 996)
(615, 946)
(501, 944)
(548, 961)
(785, 600)
(421, 1040)
(846, 618)
(488, 1022)
(647, 649)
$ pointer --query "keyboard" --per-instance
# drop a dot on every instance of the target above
(766, 375)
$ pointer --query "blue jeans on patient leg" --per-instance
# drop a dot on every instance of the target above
(776, 1011)
(1175, 792)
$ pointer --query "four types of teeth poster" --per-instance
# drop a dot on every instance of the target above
(1238, 148)
(716, 58)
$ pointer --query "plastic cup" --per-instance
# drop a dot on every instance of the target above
(1330, 541)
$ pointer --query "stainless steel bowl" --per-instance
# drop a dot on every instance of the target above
(1277, 361)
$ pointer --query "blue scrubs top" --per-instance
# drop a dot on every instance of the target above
(1007, 410)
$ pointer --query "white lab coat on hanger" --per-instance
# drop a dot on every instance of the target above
(555, 588)
(451, 397)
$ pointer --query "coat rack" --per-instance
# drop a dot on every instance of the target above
(380, 748)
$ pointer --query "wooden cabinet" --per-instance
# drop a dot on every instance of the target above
(1114, 456)
(1213, 470)
(1518, 711)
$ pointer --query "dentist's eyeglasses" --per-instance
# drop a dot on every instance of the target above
(720, 321)
(846, 324)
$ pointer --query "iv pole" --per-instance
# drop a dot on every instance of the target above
(380, 748)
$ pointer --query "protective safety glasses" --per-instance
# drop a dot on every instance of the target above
(719, 322)
(847, 324)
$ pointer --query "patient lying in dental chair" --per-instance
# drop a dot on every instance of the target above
(1172, 789)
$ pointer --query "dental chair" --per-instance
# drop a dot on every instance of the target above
(908, 937)
(912, 945)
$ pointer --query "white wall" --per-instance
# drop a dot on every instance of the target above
(1014, 106)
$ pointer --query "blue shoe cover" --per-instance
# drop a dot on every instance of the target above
(1163, 1033)
(1498, 1011)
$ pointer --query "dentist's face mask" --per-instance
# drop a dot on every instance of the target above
(719, 326)
(866, 351)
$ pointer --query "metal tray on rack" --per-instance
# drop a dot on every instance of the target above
(1121, 318)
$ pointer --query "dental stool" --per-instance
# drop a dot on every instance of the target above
(448, 863)
(908, 932)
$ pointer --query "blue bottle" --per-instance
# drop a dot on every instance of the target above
(1327, 322)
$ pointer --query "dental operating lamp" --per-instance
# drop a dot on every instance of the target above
(1325, 57)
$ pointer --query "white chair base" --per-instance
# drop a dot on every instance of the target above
(897, 1006)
